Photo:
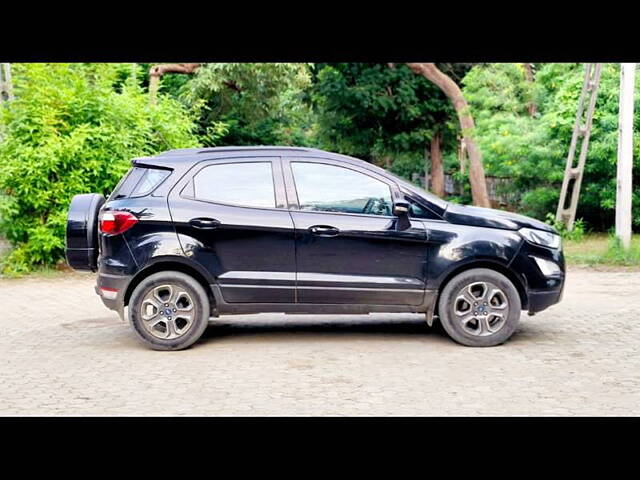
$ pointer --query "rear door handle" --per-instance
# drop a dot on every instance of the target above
(204, 223)
(324, 230)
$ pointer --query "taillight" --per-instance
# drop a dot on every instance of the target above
(115, 223)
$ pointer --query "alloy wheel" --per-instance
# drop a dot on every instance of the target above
(167, 311)
(482, 308)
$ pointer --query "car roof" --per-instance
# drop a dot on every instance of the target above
(194, 155)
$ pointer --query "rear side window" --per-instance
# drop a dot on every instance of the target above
(244, 184)
(139, 182)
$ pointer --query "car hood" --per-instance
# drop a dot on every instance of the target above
(488, 217)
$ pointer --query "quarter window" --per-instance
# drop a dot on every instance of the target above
(150, 179)
(418, 211)
(138, 182)
(247, 184)
(329, 188)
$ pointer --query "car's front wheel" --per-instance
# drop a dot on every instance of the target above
(480, 308)
(169, 310)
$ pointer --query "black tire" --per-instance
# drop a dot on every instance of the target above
(197, 296)
(453, 322)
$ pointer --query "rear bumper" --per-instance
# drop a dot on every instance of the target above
(111, 290)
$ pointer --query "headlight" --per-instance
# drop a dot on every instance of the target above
(539, 237)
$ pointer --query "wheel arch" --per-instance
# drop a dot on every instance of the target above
(169, 264)
(517, 281)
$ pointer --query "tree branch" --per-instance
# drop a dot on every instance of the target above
(158, 71)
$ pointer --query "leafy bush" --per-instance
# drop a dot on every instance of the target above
(577, 234)
(73, 128)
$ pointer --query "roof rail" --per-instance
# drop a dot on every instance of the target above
(192, 151)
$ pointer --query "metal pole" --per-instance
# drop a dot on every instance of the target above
(625, 154)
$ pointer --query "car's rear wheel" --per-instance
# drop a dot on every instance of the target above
(480, 308)
(169, 310)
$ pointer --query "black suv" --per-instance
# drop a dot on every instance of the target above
(195, 233)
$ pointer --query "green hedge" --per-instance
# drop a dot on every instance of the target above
(73, 128)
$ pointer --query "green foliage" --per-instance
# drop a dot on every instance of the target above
(499, 88)
(532, 150)
(373, 111)
(250, 103)
(73, 128)
(576, 234)
(539, 201)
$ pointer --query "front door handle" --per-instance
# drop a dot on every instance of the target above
(324, 230)
(204, 223)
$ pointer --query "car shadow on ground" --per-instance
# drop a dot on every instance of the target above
(416, 327)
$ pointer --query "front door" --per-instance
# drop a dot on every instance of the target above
(349, 247)
(231, 218)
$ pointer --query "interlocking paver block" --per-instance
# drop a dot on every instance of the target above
(67, 354)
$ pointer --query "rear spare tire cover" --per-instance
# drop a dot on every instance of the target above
(82, 231)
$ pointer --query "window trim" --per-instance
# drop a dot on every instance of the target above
(275, 169)
(292, 189)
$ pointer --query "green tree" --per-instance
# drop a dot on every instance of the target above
(73, 128)
(250, 103)
(383, 113)
(532, 150)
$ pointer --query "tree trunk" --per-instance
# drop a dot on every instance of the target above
(427, 167)
(437, 170)
(453, 92)
(532, 108)
(157, 71)
(462, 153)
(6, 88)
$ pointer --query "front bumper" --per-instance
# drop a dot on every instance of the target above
(543, 289)
(111, 290)
(539, 300)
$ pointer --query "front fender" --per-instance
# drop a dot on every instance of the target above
(452, 247)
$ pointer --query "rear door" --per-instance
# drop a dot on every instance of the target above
(231, 217)
(350, 248)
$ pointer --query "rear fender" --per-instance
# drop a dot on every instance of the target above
(166, 247)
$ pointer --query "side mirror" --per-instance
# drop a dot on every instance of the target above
(400, 208)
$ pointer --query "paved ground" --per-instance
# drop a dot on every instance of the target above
(62, 352)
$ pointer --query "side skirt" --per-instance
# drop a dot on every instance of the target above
(224, 308)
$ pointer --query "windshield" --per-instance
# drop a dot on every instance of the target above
(414, 188)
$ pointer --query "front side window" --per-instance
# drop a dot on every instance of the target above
(328, 188)
(245, 184)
